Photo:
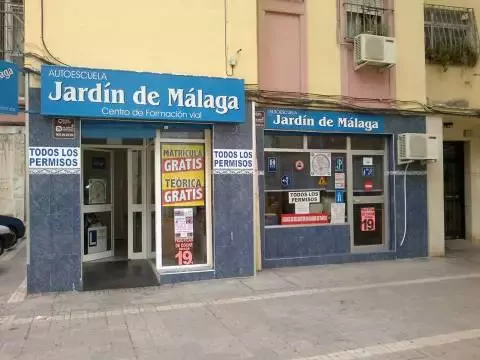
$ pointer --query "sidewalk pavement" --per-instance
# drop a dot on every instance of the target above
(408, 309)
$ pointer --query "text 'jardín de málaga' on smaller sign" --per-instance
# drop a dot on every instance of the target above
(323, 120)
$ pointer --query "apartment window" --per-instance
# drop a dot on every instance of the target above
(365, 17)
(12, 35)
(451, 36)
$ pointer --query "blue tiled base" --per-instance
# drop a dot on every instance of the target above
(171, 278)
(328, 259)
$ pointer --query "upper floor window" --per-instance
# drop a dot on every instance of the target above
(451, 35)
(365, 17)
(12, 35)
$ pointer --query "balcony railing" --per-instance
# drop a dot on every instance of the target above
(451, 36)
(366, 17)
(12, 32)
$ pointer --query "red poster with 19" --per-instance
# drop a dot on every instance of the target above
(184, 257)
(367, 219)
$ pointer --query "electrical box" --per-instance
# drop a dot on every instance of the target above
(416, 147)
(374, 50)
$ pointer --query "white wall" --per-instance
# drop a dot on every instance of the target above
(436, 229)
(12, 171)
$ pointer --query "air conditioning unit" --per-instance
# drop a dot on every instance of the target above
(416, 147)
(374, 50)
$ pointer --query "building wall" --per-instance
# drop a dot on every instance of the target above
(168, 36)
(410, 68)
(290, 29)
(323, 48)
(458, 84)
(282, 46)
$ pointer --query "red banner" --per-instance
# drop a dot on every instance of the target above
(304, 219)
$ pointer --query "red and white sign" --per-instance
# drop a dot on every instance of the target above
(304, 219)
(367, 219)
(299, 165)
(368, 185)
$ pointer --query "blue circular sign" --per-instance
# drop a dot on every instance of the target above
(285, 181)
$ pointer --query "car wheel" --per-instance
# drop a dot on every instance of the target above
(13, 241)
(2, 247)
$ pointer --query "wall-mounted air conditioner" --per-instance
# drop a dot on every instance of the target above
(374, 50)
(416, 147)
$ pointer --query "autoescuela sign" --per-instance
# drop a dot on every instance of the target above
(101, 93)
(324, 121)
(8, 88)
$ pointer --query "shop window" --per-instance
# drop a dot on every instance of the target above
(305, 188)
(275, 141)
(367, 143)
(327, 142)
(183, 215)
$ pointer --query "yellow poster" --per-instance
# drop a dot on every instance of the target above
(183, 174)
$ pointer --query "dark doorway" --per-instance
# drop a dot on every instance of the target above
(454, 189)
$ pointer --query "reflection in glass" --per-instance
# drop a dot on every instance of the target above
(369, 142)
(170, 254)
(283, 141)
(98, 232)
(96, 177)
(327, 142)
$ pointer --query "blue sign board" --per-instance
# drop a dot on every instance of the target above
(272, 164)
(323, 121)
(368, 171)
(285, 181)
(98, 93)
(339, 196)
(8, 88)
(339, 164)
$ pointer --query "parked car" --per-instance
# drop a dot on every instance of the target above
(14, 224)
(8, 238)
(11, 229)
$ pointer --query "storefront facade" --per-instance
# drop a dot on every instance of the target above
(127, 165)
(331, 189)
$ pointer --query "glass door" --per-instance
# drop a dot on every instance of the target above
(369, 179)
(183, 201)
(97, 209)
(137, 193)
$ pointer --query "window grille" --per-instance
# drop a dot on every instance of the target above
(451, 35)
(365, 17)
(12, 34)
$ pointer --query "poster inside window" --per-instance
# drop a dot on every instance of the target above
(183, 204)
